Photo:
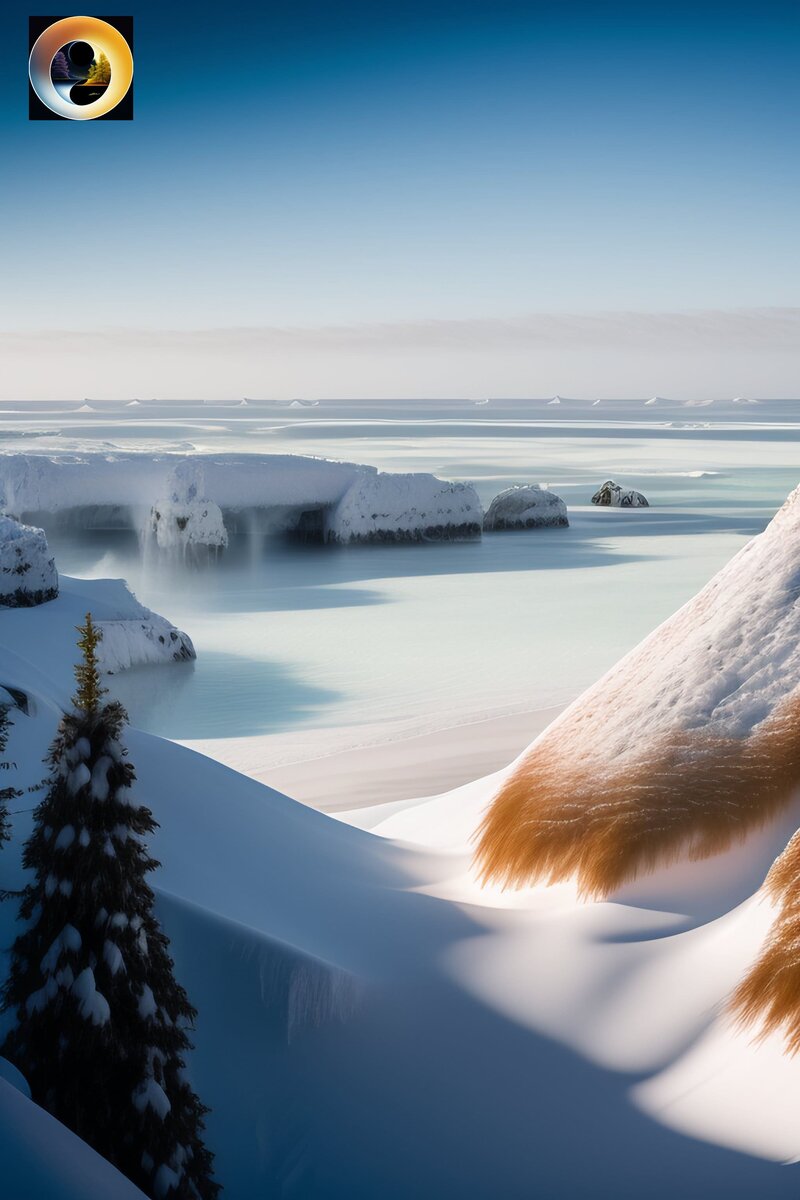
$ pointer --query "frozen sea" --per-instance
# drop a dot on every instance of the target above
(307, 650)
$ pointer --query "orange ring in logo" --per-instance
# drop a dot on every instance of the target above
(103, 38)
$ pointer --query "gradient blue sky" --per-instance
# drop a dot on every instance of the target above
(322, 165)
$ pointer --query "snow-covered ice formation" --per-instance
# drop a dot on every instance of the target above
(141, 639)
(27, 571)
(612, 495)
(186, 522)
(525, 507)
(385, 507)
(131, 634)
(688, 744)
(343, 501)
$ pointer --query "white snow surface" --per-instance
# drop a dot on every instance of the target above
(525, 507)
(384, 506)
(372, 1023)
(721, 663)
(26, 564)
(51, 483)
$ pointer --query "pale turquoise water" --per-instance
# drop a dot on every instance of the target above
(417, 637)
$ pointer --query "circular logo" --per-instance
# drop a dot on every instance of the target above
(81, 67)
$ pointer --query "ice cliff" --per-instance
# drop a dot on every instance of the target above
(188, 500)
(382, 507)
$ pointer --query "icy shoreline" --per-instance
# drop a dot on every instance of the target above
(318, 498)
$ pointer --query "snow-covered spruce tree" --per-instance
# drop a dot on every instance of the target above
(101, 1022)
(6, 793)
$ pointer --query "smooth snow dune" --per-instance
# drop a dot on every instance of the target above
(361, 1034)
(43, 1160)
(373, 1024)
(688, 744)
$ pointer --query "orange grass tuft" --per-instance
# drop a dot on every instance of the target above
(686, 794)
(770, 993)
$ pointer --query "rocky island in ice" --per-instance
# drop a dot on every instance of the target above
(525, 507)
(612, 495)
(199, 497)
(28, 573)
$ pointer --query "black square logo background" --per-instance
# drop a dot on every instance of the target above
(40, 112)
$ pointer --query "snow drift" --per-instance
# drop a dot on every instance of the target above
(27, 571)
(43, 1160)
(528, 507)
(688, 744)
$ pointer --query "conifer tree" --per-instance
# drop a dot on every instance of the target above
(101, 1021)
(6, 793)
(100, 70)
(59, 69)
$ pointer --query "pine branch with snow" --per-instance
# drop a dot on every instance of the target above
(101, 1032)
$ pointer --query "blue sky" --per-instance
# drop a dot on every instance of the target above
(319, 165)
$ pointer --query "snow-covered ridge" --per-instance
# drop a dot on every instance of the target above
(352, 502)
(690, 742)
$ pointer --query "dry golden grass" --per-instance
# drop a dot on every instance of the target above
(688, 794)
(770, 993)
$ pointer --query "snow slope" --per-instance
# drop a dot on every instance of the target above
(691, 741)
(41, 1160)
(372, 1023)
